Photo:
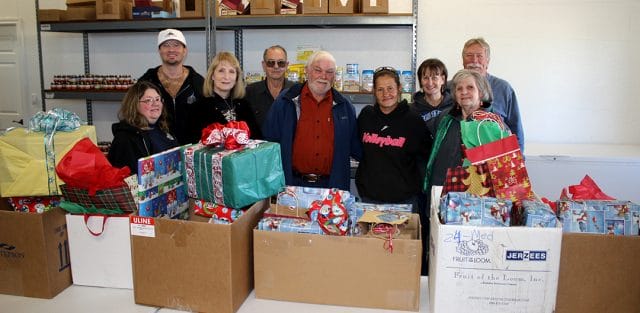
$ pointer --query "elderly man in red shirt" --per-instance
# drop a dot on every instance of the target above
(316, 127)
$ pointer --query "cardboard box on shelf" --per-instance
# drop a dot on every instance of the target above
(315, 7)
(114, 9)
(599, 273)
(262, 7)
(191, 8)
(34, 255)
(80, 2)
(339, 270)
(194, 265)
(50, 15)
(79, 14)
(375, 6)
(100, 250)
(343, 7)
(493, 269)
(230, 7)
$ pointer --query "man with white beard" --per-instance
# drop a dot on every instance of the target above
(476, 55)
(316, 127)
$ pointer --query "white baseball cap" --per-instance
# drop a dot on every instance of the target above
(171, 34)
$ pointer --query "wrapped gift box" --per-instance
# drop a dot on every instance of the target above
(23, 166)
(614, 217)
(234, 178)
(537, 214)
(161, 188)
(461, 208)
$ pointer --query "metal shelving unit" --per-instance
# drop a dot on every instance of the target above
(210, 24)
(93, 95)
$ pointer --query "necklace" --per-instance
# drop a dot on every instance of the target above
(172, 84)
(230, 112)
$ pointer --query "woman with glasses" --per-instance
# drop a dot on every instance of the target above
(143, 129)
(434, 96)
(224, 91)
(395, 144)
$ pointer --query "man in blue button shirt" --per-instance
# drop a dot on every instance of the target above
(476, 55)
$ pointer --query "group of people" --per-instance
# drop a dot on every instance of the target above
(403, 148)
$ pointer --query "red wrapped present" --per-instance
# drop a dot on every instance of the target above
(34, 204)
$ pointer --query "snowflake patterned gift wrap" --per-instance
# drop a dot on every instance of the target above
(612, 217)
(487, 269)
(461, 208)
(28, 160)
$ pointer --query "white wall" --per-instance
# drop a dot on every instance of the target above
(573, 63)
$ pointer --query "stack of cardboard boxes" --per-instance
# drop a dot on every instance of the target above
(308, 7)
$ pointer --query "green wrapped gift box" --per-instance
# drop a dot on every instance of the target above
(233, 178)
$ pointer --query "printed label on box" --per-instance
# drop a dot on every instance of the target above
(142, 226)
(485, 269)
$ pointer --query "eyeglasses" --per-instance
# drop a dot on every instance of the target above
(171, 44)
(272, 63)
(385, 68)
(148, 101)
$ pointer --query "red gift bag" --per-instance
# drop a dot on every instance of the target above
(508, 174)
(473, 179)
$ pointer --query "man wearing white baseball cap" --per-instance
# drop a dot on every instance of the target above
(180, 85)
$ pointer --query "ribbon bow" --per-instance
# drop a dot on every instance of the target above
(586, 190)
(233, 135)
(50, 122)
(54, 120)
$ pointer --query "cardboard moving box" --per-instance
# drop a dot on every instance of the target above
(34, 254)
(193, 265)
(343, 7)
(599, 273)
(191, 8)
(315, 7)
(338, 270)
(262, 7)
(493, 269)
(50, 15)
(375, 6)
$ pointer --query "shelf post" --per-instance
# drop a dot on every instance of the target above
(237, 35)
(87, 70)
(40, 63)
(414, 43)
(210, 30)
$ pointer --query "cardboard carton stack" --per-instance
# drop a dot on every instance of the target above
(34, 256)
(80, 10)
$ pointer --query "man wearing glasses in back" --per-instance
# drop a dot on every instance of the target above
(260, 95)
(316, 127)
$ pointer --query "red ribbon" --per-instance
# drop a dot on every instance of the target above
(586, 190)
(387, 231)
(233, 135)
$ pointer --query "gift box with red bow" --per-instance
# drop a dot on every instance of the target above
(590, 210)
(230, 169)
